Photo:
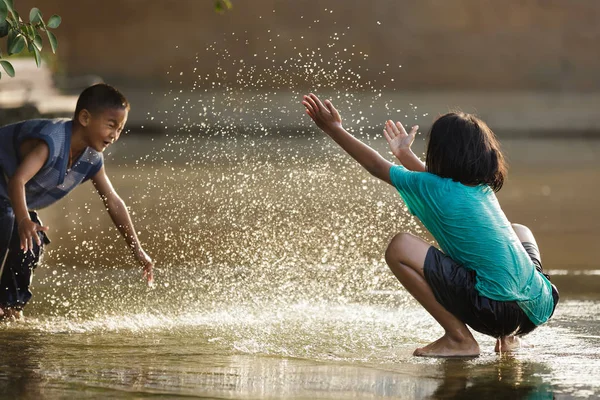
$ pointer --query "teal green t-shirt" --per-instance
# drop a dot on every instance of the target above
(471, 228)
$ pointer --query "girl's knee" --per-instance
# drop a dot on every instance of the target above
(398, 247)
(520, 227)
(521, 230)
(523, 233)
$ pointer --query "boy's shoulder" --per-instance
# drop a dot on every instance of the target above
(37, 124)
(55, 123)
(56, 133)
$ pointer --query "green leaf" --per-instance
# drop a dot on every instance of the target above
(10, 5)
(38, 56)
(8, 68)
(12, 35)
(53, 41)
(54, 21)
(222, 5)
(37, 40)
(3, 28)
(3, 11)
(35, 15)
(17, 45)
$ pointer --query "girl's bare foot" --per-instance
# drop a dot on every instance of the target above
(507, 344)
(447, 347)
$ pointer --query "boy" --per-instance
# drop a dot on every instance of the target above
(41, 161)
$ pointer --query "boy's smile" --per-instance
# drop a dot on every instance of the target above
(104, 128)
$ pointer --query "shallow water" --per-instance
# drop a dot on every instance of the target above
(271, 281)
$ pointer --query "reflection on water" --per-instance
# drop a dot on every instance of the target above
(506, 377)
(271, 282)
(297, 351)
(245, 376)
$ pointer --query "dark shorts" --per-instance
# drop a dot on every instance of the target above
(454, 288)
(16, 267)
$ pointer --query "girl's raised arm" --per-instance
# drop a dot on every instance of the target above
(400, 143)
(329, 120)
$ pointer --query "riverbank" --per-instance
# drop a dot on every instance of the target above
(531, 114)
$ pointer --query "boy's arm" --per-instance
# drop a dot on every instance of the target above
(328, 119)
(32, 162)
(400, 143)
(120, 216)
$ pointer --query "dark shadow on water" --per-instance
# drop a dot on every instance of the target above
(19, 366)
(505, 378)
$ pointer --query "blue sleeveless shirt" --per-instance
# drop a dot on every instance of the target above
(471, 228)
(53, 181)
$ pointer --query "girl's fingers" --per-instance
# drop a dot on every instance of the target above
(320, 105)
(387, 136)
(392, 129)
(388, 131)
(332, 109)
(309, 110)
(413, 131)
(401, 128)
(312, 103)
(307, 105)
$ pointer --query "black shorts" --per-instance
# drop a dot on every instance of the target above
(16, 267)
(454, 288)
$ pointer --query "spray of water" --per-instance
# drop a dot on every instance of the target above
(250, 213)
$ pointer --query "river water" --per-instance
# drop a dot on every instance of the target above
(271, 282)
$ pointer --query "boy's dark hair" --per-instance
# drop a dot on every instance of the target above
(462, 147)
(100, 97)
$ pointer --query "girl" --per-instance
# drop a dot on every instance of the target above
(488, 275)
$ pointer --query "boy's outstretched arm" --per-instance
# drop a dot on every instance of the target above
(120, 216)
(328, 119)
(34, 159)
(400, 143)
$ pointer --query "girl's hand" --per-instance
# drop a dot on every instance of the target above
(148, 266)
(325, 116)
(28, 232)
(397, 137)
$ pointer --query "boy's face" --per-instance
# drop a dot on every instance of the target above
(103, 128)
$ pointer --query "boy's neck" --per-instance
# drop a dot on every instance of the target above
(78, 143)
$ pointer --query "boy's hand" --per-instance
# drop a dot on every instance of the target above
(148, 265)
(28, 232)
(325, 116)
(397, 138)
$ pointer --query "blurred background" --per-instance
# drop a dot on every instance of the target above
(521, 65)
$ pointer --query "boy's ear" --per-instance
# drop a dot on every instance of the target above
(84, 117)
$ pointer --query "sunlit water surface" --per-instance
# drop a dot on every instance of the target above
(271, 282)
